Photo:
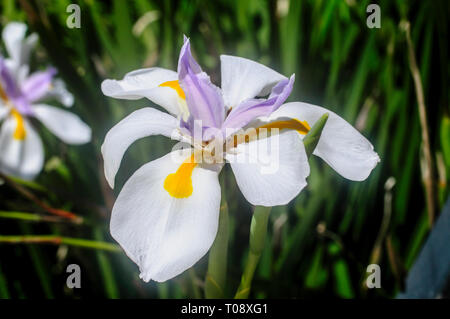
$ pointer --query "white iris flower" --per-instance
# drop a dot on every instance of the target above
(166, 216)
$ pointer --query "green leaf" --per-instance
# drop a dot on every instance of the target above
(312, 138)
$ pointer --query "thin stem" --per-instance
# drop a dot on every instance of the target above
(58, 240)
(107, 273)
(194, 282)
(382, 232)
(217, 264)
(428, 170)
(29, 184)
(30, 217)
(26, 193)
(258, 227)
(394, 261)
(387, 212)
(258, 232)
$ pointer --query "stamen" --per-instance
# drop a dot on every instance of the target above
(179, 184)
(19, 132)
(176, 86)
(3, 95)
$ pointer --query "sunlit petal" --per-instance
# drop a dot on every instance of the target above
(162, 234)
(244, 79)
(139, 124)
(146, 83)
(270, 171)
(250, 109)
(346, 150)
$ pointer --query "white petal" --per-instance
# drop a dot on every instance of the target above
(18, 71)
(13, 34)
(145, 83)
(59, 92)
(4, 110)
(270, 171)
(139, 124)
(346, 150)
(21, 158)
(18, 47)
(65, 125)
(27, 46)
(163, 235)
(244, 79)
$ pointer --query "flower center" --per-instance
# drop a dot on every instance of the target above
(3, 95)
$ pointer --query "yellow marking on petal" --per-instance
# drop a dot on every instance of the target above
(19, 132)
(176, 86)
(301, 127)
(179, 184)
(293, 124)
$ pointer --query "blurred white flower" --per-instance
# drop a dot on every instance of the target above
(22, 95)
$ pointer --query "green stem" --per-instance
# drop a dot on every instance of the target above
(29, 195)
(28, 184)
(109, 280)
(4, 292)
(58, 240)
(30, 217)
(217, 263)
(193, 282)
(258, 228)
(258, 231)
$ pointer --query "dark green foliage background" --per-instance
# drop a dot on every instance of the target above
(360, 73)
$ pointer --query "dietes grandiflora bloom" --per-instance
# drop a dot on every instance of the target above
(166, 215)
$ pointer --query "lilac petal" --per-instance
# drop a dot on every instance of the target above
(23, 105)
(204, 100)
(250, 109)
(7, 81)
(12, 91)
(38, 84)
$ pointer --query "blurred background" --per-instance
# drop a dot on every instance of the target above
(317, 246)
